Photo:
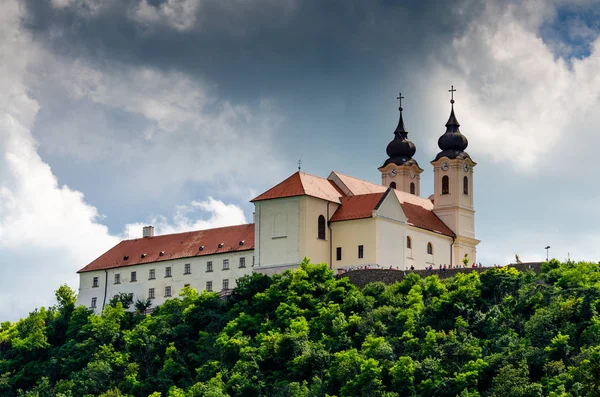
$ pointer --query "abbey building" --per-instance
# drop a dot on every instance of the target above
(339, 220)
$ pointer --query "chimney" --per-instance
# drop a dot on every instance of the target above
(148, 231)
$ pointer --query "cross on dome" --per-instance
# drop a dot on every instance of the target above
(400, 98)
(452, 90)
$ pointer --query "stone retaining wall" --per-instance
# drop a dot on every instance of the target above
(360, 278)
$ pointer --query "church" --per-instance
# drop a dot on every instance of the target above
(339, 220)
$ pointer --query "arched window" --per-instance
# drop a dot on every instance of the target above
(408, 242)
(412, 188)
(445, 184)
(466, 185)
(321, 232)
(429, 249)
(393, 185)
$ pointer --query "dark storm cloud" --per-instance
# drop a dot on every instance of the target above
(252, 49)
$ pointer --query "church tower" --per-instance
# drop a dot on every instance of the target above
(400, 170)
(453, 189)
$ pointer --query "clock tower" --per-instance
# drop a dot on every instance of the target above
(453, 189)
(400, 170)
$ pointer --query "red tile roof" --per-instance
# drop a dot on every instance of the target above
(425, 219)
(300, 184)
(357, 186)
(357, 207)
(179, 245)
(362, 206)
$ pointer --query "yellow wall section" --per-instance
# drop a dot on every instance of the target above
(349, 235)
(310, 245)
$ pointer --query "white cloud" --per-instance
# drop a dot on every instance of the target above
(177, 14)
(521, 97)
(46, 230)
(190, 217)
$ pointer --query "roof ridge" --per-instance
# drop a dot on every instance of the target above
(189, 231)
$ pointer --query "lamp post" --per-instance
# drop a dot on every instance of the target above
(547, 248)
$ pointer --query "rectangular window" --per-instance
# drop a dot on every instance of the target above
(185, 285)
(167, 291)
(252, 260)
(361, 252)
(242, 262)
(151, 274)
(209, 266)
(226, 284)
(168, 271)
(209, 286)
(133, 277)
(118, 278)
(338, 253)
(95, 283)
(94, 301)
(150, 293)
(225, 264)
(187, 269)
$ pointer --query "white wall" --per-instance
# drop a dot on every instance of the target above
(420, 258)
(390, 250)
(277, 244)
(197, 279)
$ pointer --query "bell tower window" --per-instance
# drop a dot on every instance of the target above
(321, 227)
(408, 242)
(466, 185)
(445, 184)
(429, 249)
(412, 188)
(393, 185)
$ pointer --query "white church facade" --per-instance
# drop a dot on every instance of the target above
(339, 220)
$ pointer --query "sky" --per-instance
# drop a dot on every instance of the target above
(119, 113)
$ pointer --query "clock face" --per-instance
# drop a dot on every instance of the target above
(466, 167)
(393, 172)
(445, 166)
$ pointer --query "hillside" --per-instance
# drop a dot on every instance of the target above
(499, 333)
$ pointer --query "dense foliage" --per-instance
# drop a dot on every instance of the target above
(499, 333)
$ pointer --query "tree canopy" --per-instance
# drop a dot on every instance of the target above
(305, 333)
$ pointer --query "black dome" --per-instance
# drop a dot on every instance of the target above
(400, 150)
(452, 142)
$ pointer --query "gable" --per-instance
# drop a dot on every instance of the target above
(389, 207)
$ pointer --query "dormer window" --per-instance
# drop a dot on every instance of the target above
(220, 245)
(143, 255)
(162, 253)
(125, 257)
(201, 248)
(242, 242)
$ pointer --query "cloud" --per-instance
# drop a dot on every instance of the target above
(44, 228)
(178, 14)
(192, 217)
(164, 127)
(47, 229)
(516, 98)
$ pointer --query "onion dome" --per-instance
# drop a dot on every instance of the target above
(400, 150)
(452, 142)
